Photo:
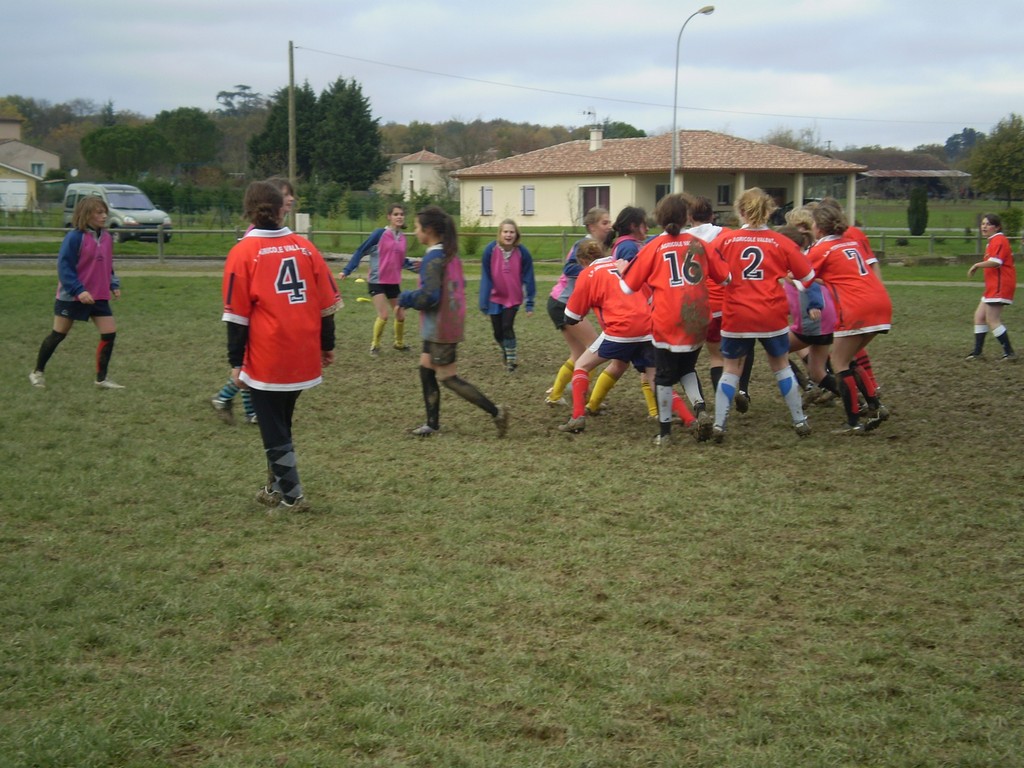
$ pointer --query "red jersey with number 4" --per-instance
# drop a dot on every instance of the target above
(278, 284)
(862, 303)
(755, 304)
(676, 269)
(624, 317)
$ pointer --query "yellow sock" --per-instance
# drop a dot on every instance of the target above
(604, 384)
(652, 401)
(562, 380)
(378, 331)
(399, 333)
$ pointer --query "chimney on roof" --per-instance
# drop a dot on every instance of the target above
(596, 138)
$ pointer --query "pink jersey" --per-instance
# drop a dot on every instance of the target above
(862, 303)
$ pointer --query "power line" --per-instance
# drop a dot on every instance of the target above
(624, 101)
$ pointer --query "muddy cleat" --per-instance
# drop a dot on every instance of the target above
(551, 403)
(879, 412)
(872, 424)
(575, 426)
(400, 347)
(742, 401)
(223, 410)
(704, 427)
(295, 505)
(268, 497)
(825, 397)
(851, 430)
(425, 431)
(1009, 357)
(38, 379)
(802, 428)
(662, 441)
(718, 433)
(501, 420)
(374, 351)
(250, 418)
(974, 356)
(108, 384)
(812, 394)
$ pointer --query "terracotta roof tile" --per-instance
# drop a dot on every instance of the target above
(698, 151)
(423, 156)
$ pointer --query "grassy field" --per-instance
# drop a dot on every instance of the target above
(542, 600)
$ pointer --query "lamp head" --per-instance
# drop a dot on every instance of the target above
(707, 9)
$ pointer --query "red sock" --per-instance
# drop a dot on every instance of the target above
(679, 409)
(580, 385)
(865, 374)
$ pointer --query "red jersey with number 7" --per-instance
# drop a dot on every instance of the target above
(278, 284)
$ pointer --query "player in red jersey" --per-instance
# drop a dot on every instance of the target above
(755, 306)
(675, 267)
(625, 320)
(279, 305)
(1000, 285)
(862, 305)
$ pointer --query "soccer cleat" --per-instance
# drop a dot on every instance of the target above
(560, 401)
(802, 428)
(879, 412)
(704, 426)
(742, 401)
(250, 418)
(108, 384)
(268, 497)
(872, 424)
(223, 410)
(295, 505)
(596, 411)
(400, 347)
(851, 429)
(425, 431)
(974, 356)
(374, 351)
(662, 441)
(825, 397)
(575, 426)
(501, 420)
(812, 394)
(718, 433)
(1008, 357)
(511, 367)
(38, 379)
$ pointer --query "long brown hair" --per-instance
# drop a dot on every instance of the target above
(437, 220)
(263, 204)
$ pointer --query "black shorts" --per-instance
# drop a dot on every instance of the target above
(440, 354)
(823, 340)
(556, 311)
(391, 290)
(76, 310)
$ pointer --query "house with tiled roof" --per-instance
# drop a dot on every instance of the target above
(422, 171)
(22, 167)
(557, 185)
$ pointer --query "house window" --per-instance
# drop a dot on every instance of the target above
(594, 197)
(725, 194)
(529, 200)
(660, 191)
(37, 169)
(486, 201)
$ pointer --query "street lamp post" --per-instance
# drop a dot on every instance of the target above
(706, 10)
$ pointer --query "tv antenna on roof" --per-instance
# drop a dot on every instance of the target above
(591, 114)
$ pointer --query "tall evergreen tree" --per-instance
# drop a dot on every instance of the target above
(347, 142)
(917, 211)
(268, 150)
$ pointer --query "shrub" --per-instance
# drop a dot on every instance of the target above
(1012, 220)
(917, 211)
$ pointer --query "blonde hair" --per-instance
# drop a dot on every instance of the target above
(588, 251)
(755, 206)
(511, 223)
(84, 210)
(801, 217)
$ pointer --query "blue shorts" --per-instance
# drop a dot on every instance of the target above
(775, 346)
(639, 353)
(76, 310)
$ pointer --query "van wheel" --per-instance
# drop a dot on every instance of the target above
(119, 237)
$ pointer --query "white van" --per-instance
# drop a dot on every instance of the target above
(129, 210)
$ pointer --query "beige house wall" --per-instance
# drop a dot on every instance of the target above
(23, 156)
(31, 189)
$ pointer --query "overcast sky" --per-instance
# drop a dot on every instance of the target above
(854, 72)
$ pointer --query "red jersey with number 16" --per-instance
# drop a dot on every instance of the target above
(676, 268)
(278, 284)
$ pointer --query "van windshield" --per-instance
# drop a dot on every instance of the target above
(129, 201)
